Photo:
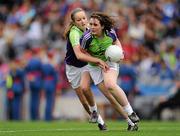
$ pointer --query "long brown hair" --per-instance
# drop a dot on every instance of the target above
(104, 20)
(73, 12)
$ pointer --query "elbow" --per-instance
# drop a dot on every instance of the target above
(79, 57)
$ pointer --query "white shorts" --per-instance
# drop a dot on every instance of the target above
(96, 72)
(74, 75)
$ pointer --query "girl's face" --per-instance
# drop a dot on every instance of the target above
(80, 20)
(96, 27)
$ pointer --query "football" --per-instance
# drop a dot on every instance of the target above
(114, 53)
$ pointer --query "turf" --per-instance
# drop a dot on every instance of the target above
(77, 128)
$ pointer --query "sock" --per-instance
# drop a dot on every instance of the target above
(93, 108)
(100, 120)
(129, 122)
(128, 109)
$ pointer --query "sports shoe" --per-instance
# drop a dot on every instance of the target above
(102, 127)
(132, 128)
(93, 117)
(134, 118)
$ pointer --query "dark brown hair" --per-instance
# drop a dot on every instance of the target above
(104, 20)
(73, 12)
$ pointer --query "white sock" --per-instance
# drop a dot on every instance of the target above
(100, 120)
(128, 109)
(93, 108)
(129, 122)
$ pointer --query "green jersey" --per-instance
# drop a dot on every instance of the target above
(74, 36)
(96, 46)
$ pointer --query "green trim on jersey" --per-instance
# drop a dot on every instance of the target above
(75, 35)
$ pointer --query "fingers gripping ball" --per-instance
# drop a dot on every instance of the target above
(114, 53)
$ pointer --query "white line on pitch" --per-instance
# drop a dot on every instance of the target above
(47, 130)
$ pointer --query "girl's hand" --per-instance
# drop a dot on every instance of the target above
(103, 65)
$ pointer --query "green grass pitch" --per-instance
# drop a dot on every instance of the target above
(78, 128)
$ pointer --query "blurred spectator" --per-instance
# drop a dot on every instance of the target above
(11, 53)
(2, 41)
(63, 8)
(15, 89)
(170, 101)
(170, 57)
(157, 79)
(136, 29)
(63, 84)
(34, 33)
(128, 79)
(3, 12)
(50, 77)
(55, 35)
(34, 77)
(4, 71)
(26, 12)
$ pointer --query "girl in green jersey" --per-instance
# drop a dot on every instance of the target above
(95, 42)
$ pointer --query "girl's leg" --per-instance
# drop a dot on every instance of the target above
(110, 81)
(114, 103)
(112, 100)
(74, 77)
(82, 99)
(97, 76)
(85, 86)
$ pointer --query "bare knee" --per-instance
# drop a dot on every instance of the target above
(85, 88)
(110, 86)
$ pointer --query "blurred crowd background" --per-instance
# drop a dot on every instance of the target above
(31, 38)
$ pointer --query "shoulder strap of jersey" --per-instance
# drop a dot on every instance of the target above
(112, 34)
(86, 39)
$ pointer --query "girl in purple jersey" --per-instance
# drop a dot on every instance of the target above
(75, 69)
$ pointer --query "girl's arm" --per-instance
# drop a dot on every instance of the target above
(84, 56)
